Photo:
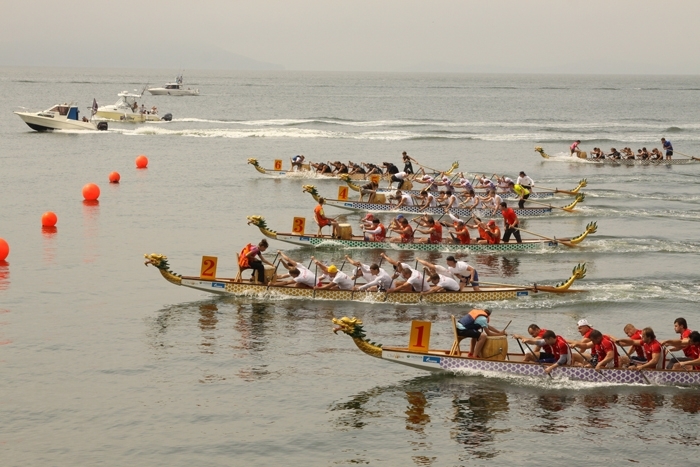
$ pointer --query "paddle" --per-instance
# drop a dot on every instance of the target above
(534, 288)
(676, 358)
(563, 242)
(550, 206)
(630, 359)
(686, 155)
(533, 353)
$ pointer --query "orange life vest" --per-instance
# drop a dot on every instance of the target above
(494, 237)
(243, 260)
(319, 216)
(407, 237)
(381, 235)
(463, 236)
(436, 236)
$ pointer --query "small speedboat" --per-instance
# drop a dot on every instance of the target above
(174, 89)
(127, 109)
(59, 117)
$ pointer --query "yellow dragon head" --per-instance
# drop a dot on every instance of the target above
(161, 262)
(312, 190)
(255, 164)
(591, 228)
(579, 272)
(259, 222)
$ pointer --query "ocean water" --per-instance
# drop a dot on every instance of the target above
(105, 363)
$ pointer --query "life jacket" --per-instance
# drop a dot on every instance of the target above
(381, 235)
(495, 237)
(463, 236)
(320, 218)
(407, 237)
(436, 237)
(468, 319)
(243, 260)
(482, 234)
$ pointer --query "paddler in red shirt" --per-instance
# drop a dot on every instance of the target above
(680, 325)
(694, 340)
(585, 330)
(653, 352)
(511, 223)
(553, 345)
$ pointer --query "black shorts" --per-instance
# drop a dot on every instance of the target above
(471, 331)
(546, 357)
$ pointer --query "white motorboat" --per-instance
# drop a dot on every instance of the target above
(59, 117)
(127, 109)
(174, 89)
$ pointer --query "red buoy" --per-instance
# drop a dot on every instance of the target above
(91, 192)
(49, 219)
(114, 177)
(4, 249)
(141, 162)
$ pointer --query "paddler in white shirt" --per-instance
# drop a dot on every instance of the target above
(337, 279)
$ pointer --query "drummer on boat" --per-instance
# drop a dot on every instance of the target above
(322, 220)
(476, 325)
(247, 260)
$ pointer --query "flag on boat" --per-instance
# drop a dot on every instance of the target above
(94, 106)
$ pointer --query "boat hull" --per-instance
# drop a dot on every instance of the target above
(117, 116)
(415, 210)
(328, 242)
(230, 287)
(643, 162)
(173, 92)
(439, 361)
(37, 122)
(509, 195)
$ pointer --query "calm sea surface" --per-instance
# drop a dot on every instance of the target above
(105, 363)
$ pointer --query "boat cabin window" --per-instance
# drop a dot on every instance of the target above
(60, 109)
(172, 86)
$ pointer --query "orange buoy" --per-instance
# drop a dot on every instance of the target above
(49, 219)
(141, 162)
(4, 249)
(114, 177)
(91, 192)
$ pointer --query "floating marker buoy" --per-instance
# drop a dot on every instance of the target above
(114, 177)
(49, 219)
(141, 162)
(4, 249)
(91, 192)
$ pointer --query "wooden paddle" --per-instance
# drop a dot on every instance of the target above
(584, 359)
(533, 353)
(674, 356)
(630, 359)
(686, 155)
(563, 242)
(534, 288)
(550, 206)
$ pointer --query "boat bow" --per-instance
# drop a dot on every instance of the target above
(259, 222)
(255, 164)
(591, 228)
(353, 328)
(161, 262)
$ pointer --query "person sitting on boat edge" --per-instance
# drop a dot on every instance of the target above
(398, 177)
(405, 199)
(536, 355)
(668, 147)
(688, 365)
(475, 324)
(434, 232)
(460, 234)
(614, 154)
(489, 233)
(428, 200)
(322, 220)
(604, 349)
(247, 260)
(339, 168)
(300, 276)
(377, 279)
(585, 329)
(555, 350)
(355, 169)
(464, 272)
(377, 233)
(372, 168)
(297, 162)
(403, 228)
(680, 326)
(441, 283)
(511, 224)
(336, 279)
(634, 334)
(438, 269)
(654, 354)
(449, 199)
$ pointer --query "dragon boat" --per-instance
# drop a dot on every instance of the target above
(499, 361)
(238, 287)
(584, 156)
(307, 172)
(355, 241)
(481, 213)
(503, 194)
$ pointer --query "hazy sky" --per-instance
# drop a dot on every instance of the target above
(589, 36)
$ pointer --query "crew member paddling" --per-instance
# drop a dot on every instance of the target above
(553, 345)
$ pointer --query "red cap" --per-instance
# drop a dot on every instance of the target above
(368, 217)
(491, 223)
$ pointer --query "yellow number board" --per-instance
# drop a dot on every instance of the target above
(420, 336)
(208, 271)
